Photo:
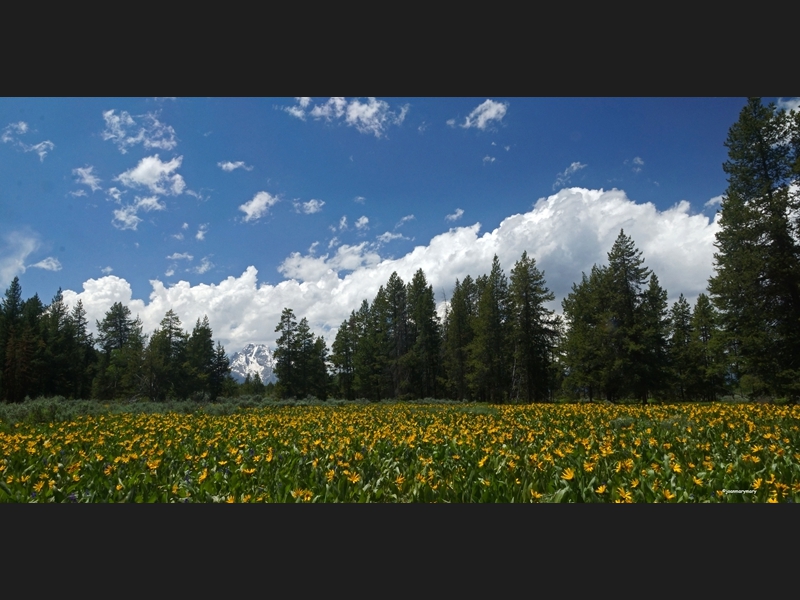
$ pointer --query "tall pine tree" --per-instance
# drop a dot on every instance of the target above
(756, 286)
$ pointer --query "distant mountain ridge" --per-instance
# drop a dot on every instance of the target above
(252, 359)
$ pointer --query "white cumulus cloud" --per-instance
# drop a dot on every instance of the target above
(566, 233)
(371, 116)
(181, 256)
(484, 114)
(201, 232)
(122, 130)
(258, 206)
(156, 175)
(232, 166)
(456, 215)
(126, 217)
(86, 176)
(310, 207)
(204, 266)
(362, 222)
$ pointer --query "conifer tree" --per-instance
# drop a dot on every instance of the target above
(458, 335)
(533, 331)
(343, 357)
(424, 337)
(287, 355)
(683, 365)
(756, 286)
(489, 352)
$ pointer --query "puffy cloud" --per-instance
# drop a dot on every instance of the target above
(231, 166)
(78, 193)
(185, 226)
(790, 104)
(204, 266)
(116, 194)
(18, 245)
(106, 270)
(346, 258)
(362, 222)
(126, 217)
(359, 199)
(488, 159)
(48, 264)
(156, 175)
(182, 256)
(201, 232)
(86, 176)
(310, 207)
(332, 109)
(566, 233)
(258, 206)
(9, 130)
(371, 117)
(563, 178)
(483, 115)
(456, 215)
(152, 134)
(343, 222)
(715, 201)
(149, 203)
(169, 272)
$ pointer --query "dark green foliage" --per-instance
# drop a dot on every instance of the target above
(458, 335)
(534, 332)
(489, 351)
(616, 344)
(423, 355)
(684, 367)
(757, 282)
(343, 358)
(300, 360)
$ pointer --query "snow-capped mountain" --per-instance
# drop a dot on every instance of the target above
(253, 358)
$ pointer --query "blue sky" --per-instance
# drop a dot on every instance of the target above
(237, 208)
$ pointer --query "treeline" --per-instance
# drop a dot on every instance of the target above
(619, 338)
(48, 351)
(498, 342)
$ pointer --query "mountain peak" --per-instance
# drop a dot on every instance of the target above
(252, 359)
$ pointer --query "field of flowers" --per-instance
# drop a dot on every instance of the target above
(411, 453)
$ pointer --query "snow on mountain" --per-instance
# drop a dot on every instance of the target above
(252, 359)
